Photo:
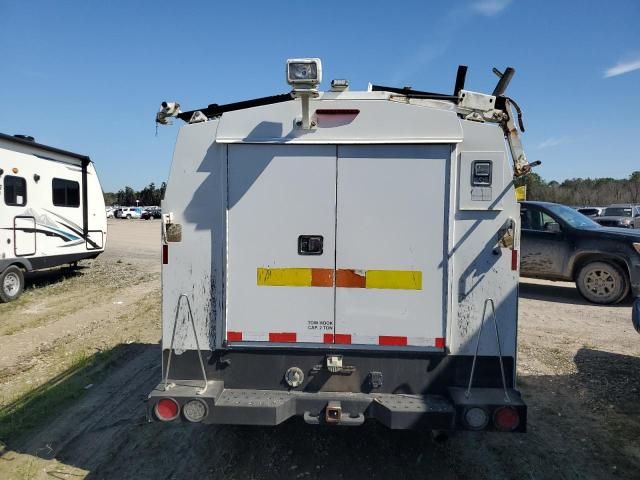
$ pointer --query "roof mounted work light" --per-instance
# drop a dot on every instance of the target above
(305, 73)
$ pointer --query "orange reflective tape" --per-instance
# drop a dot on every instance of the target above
(350, 278)
(322, 277)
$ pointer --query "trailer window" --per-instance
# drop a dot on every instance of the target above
(66, 193)
(15, 191)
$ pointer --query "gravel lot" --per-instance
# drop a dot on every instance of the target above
(79, 353)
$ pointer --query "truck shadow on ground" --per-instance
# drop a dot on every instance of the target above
(579, 426)
(560, 293)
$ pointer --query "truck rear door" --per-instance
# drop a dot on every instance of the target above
(382, 283)
(281, 243)
(392, 216)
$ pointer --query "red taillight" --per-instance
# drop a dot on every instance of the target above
(167, 409)
(165, 254)
(514, 259)
(506, 419)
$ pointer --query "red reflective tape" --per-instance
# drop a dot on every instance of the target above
(234, 336)
(282, 337)
(389, 340)
(165, 254)
(343, 338)
(439, 342)
(514, 259)
(327, 338)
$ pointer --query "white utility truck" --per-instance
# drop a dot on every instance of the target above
(51, 210)
(343, 256)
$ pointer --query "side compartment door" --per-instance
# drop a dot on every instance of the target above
(24, 228)
(281, 243)
(392, 211)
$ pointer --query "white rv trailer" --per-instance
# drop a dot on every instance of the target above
(343, 255)
(51, 210)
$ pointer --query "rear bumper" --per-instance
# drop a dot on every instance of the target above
(396, 411)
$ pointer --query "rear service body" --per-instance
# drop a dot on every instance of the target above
(340, 272)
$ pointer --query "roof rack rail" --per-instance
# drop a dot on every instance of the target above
(214, 110)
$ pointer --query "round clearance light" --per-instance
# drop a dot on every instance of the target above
(166, 409)
(195, 410)
(476, 418)
(506, 419)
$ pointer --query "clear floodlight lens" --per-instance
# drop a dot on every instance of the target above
(304, 71)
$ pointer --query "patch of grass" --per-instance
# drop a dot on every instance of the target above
(40, 403)
(57, 293)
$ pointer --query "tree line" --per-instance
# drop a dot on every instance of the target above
(574, 191)
(597, 192)
(148, 196)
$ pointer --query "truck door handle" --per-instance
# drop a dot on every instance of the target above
(310, 244)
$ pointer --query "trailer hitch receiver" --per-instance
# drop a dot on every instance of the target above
(333, 412)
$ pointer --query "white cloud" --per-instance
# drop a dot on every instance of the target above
(622, 67)
(438, 40)
(553, 142)
(489, 8)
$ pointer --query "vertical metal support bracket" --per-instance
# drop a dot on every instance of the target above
(306, 116)
(167, 385)
(305, 96)
(467, 394)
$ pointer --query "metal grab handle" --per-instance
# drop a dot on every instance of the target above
(195, 335)
(467, 394)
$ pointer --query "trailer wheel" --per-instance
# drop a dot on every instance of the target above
(602, 282)
(11, 283)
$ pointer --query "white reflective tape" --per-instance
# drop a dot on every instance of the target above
(255, 337)
(364, 339)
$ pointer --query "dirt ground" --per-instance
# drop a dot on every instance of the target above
(79, 353)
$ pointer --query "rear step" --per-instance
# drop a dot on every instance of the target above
(396, 411)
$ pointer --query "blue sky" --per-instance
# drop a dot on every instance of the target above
(88, 76)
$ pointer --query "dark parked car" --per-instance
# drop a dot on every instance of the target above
(149, 213)
(559, 243)
(622, 216)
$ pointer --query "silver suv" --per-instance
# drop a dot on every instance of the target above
(620, 215)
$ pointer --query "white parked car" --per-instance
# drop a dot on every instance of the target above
(129, 212)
